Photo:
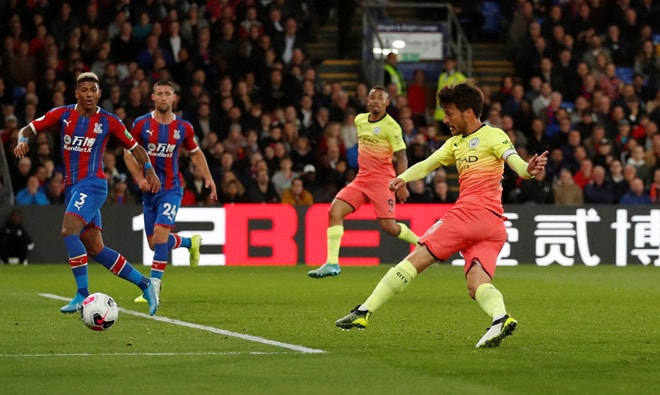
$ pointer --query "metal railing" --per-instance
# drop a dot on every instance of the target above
(6, 190)
(372, 63)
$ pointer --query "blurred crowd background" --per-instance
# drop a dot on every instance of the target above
(585, 88)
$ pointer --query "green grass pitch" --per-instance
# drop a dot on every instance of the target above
(261, 330)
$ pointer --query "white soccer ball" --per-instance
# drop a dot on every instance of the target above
(99, 311)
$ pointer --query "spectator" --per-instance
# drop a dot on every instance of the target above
(636, 195)
(418, 97)
(283, 178)
(119, 194)
(449, 76)
(261, 189)
(599, 190)
(584, 174)
(55, 189)
(654, 189)
(31, 195)
(637, 160)
(392, 75)
(297, 195)
(647, 63)
(419, 192)
(442, 193)
(231, 191)
(565, 191)
(15, 241)
(20, 177)
(286, 43)
(619, 182)
(537, 190)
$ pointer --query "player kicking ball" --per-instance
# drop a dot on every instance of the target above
(474, 225)
(162, 133)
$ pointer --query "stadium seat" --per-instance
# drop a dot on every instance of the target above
(568, 105)
(656, 39)
(492, 16)
(19, 92)
(625, 74)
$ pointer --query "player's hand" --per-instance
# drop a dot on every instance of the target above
(21, 149)
(211, 185)
(402, 195)
(396, 183)
(537, 164)
(154, 181)
(143, 184)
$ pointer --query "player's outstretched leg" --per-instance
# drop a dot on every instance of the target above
(355, 319)
(500, 329)
(328, 269)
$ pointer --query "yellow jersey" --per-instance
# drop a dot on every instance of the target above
(377, 142)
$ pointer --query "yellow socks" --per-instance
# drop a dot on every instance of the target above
(406, 234)
(394, 281)
(490, 300)
(334, 241)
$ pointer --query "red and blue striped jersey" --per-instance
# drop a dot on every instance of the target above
(83, 139)
(162, 142)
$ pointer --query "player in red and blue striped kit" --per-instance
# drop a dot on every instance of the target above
(162, 133)
(85, 129)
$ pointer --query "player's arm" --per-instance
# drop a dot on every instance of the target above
(41, 123)
(401, 166)
(136, 171)
(142, 158)
(199, 161)
(524, 169)
(23, 147)
(418, 171)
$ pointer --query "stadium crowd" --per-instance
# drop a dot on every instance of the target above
(585, 88)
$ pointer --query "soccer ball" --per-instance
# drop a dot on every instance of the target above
(99, 311)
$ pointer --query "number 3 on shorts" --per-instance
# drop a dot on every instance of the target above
(81, 200)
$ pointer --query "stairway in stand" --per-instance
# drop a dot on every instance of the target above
(331, 67)
(490, 63)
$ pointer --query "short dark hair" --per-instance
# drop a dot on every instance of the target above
(464, 95)
(164, 83)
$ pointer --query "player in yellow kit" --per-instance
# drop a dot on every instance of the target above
(475, 225)
(379, 137)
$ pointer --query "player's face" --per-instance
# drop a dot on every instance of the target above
(88, 95)
(377, 102)
(455, 119)
(164, 98)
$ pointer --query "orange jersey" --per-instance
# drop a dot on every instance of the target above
(377, 142)
(479, 159)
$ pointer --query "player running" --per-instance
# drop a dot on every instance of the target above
(379, 136)
(475, 225)
(162, 133)
(85, 129)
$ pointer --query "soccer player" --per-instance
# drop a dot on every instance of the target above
(85, 129)
(379, 137)
(475, 225)
(162, 133)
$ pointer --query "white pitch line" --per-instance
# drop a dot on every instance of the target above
(142, 354)
(211, 329)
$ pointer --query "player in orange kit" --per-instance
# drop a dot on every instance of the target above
(475, 225)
